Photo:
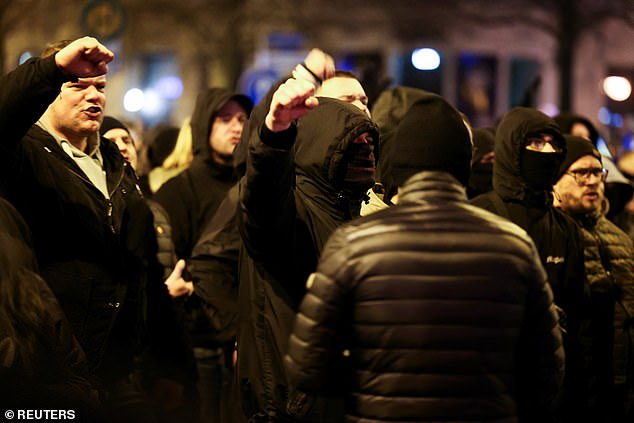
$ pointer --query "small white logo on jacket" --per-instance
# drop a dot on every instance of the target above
(555, 260)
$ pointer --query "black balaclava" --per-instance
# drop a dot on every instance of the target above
(519, 174)
(539, 169)
(360, 167)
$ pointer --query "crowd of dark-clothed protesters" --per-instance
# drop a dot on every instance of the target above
(309, 258)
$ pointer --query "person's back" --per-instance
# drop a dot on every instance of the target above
(431, 310)
(440, 327)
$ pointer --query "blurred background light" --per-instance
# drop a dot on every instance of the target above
(153, 104)
(25, 56)
(169, 87)
(133, 100)
(425, 59)
(617, 88)
(549, 109)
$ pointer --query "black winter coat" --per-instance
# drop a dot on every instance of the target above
(290, 202)
(431, 310)
(98, 255)
(41, 362)
(555, 235)
(191, 199)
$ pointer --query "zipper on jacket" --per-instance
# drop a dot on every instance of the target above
(109, 214)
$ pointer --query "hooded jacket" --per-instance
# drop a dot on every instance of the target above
(555, 234)
(291, 200)
(192, 197)
(387, 112)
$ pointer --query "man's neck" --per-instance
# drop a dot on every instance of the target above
(222, 160)
(79, 142)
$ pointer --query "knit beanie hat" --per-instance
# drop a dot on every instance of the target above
(162, 145)
(577, 147)
(431, 136)
(111, 123)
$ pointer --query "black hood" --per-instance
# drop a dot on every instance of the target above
(323, 137)
(509, 143)
(208, 103)
(387, 112)
(567, 120)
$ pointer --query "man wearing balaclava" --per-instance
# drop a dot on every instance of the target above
(432, 299)
(529, 149)
(308, 169)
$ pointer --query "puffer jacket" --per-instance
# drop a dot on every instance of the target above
(609, 262)
(291, 199)
(431, 310)
(98, 255)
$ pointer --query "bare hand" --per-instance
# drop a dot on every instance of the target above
(84, 58)
(176, 285)
(292, 100)
(320, 63)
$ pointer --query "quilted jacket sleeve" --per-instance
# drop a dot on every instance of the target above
(316, 352)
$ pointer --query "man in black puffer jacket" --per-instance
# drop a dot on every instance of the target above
(431, 310)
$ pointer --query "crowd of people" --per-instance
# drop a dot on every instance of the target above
(310, 258)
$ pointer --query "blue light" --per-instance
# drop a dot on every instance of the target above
(425, 59)
(169, 87)
(24, 57)
(604, 115)
(617, 120)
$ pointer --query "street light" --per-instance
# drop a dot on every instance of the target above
(425, 59)
(617, 88)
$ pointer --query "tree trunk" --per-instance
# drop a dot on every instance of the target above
(566, 40)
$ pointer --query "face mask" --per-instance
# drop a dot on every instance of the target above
(539, 170)
(359, 176)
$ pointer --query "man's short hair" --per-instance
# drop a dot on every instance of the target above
(340, 73)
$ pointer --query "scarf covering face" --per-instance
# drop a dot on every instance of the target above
(509, 181)
(539, 169)
(322, 158)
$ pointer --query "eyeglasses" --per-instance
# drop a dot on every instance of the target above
(539, 142)
(582, 176)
